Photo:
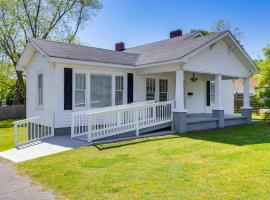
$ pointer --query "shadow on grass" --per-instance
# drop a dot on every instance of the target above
(112, 145)
(255, 133)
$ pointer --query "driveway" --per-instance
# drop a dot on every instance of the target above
(14, 186)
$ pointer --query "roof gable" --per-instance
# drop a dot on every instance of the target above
(171, 49)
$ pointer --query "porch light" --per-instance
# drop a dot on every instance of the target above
(193, 79)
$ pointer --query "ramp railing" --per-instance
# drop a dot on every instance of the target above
(105, 122)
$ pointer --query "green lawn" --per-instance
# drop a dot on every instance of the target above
(230, 163)
(6, 134)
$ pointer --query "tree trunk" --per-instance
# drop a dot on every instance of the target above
(20, 89)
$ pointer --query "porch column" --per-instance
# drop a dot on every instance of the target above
(246, 110)
(179, 91)
(218, 92)
(218, 111)
(246, 103)
(180, 113)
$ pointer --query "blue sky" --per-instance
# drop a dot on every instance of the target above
(137, 22)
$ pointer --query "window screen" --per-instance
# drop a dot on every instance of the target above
(100, 90)
(119, 87)
(150, 89)
(163, 90)
(80, 87)
(212, 93)
(40, 89)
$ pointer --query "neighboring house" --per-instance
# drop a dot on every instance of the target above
(64, 82)
(239, 86)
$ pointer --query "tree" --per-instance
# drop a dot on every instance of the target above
(222, 25)
(204, 32)
(7, 81)
(263, 92)
(48, 19)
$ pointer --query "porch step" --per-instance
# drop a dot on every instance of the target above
(157, 133)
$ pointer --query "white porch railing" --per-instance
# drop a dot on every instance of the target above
(30, 130)
(105, 122)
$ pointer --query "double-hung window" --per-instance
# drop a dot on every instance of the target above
(119, 89)
(40, 89)
(80, 87)
(150, 88)
(100, 90)
(163, 90)
(212, 93)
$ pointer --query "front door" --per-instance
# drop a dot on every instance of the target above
(194, 96)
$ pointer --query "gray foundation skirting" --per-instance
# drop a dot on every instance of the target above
(62, 131)
(247, 113)
(235, 121)
(180, 122)
(202, 125)
(219, 114)
(180, 125)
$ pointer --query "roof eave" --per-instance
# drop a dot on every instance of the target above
(82, 62)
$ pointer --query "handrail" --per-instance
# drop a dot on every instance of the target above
(109, 108)
(25, 120)
(115, 120)
(132, 106)
(31, 129)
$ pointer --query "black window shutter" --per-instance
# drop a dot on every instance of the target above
(208, 93)
(130, 88)
(67, 88)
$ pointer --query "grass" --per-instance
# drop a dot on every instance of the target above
(230, 163)
(6, 134)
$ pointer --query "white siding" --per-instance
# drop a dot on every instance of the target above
(217, 60)
(63, 117)
(37, 65)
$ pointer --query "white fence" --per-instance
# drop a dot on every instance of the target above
(105, 122)
(30, 130)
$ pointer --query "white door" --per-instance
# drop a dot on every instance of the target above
(195, 96)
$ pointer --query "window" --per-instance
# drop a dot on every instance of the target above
(163, 90)
(80, 87)
(100, 90)
(150, 89)
(119, 87)
(40, 89)
(212, 93)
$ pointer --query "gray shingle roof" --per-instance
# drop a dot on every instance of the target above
(170, 49)
(84, 53)
(160, 51)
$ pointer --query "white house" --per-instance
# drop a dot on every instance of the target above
(101, 93)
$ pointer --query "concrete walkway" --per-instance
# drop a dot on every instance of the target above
(41, 148)
(14, 186)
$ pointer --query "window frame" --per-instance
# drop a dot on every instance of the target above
(151, 88)
(82, 89)
(119, 90)
(166, 88)
(212, 93)
(88, 72)
(112, 92)
(40, 90)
